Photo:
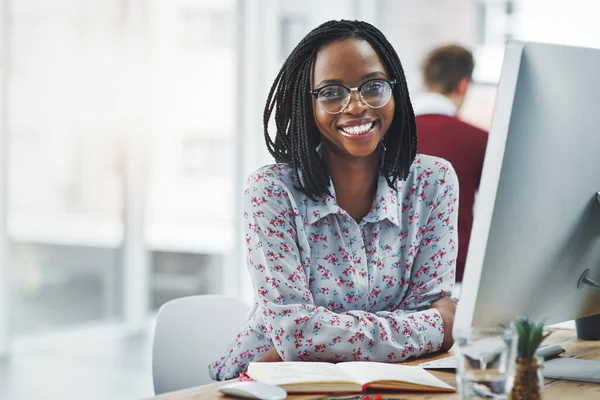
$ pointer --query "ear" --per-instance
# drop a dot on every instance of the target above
(463, 86)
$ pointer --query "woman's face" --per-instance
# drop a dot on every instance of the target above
(358, 129)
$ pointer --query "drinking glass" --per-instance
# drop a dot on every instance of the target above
(485, 361)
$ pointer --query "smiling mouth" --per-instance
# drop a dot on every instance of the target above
(357, 130)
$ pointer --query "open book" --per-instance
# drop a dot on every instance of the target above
(346, 377)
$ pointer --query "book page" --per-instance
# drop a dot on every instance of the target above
(367, 372)
(292, 372)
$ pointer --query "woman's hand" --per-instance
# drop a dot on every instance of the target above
(446, 306)
(270, 355)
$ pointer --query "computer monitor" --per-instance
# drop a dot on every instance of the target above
(537, 219)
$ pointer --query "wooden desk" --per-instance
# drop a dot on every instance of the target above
(553, 389)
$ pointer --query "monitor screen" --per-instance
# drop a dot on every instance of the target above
(537, 220)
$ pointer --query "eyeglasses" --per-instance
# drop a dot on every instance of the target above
(334, 98)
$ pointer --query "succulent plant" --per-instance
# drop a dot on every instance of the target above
(530, 336)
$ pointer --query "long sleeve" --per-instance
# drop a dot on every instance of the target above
(301, 330)
(434, 267)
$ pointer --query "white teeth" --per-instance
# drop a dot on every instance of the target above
(358, 129)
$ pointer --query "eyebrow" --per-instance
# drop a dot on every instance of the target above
(364, 78)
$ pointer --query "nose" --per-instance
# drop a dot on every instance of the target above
(355, 106)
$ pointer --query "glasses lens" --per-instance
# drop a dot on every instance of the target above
(333, 98)
(376, 93)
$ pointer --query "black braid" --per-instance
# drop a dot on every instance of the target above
(297, 137)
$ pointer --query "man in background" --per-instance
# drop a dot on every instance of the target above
(447, 75)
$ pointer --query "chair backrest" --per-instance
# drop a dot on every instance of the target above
(190, 333)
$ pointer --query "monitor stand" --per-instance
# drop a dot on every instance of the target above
(588, 328)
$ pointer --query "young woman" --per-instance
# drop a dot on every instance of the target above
(351, 238)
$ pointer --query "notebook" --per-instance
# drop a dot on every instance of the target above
(345, 377)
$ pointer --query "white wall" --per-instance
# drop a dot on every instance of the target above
(414, 27)
(573, 22)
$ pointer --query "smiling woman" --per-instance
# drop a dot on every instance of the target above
(351, 237)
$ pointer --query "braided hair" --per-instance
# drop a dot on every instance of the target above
(297, 137)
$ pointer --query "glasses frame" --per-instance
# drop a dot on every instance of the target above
(316, 92)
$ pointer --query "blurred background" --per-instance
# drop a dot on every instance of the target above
(127, 128)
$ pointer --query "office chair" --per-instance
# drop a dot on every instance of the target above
(190, 333)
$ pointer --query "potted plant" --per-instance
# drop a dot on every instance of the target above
(529, 380)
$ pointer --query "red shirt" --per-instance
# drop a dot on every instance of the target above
(464, 146)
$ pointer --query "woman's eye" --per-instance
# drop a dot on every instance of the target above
(331, 93)
(377, 85)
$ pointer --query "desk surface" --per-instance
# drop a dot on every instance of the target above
(553, 389)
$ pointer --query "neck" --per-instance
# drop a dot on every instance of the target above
(355, 181)
(456, 98)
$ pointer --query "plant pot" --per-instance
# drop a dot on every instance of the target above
(529, 381)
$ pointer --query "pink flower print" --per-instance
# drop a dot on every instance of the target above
(258, 201)
(314, 237)
(357, 353)
(374, 293)
(274, 282)
(262, 292)
(389, 280)
(320, 348)
(286, 248)
(331, 258)
(274, 256)
(391, 356)
(429, 347)
(336, 339)
(310, 342)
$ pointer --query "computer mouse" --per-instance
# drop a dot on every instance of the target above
(254, 390)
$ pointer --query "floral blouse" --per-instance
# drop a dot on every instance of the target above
(329, 288)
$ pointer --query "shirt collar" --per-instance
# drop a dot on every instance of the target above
(434, 103)
(385, 205)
